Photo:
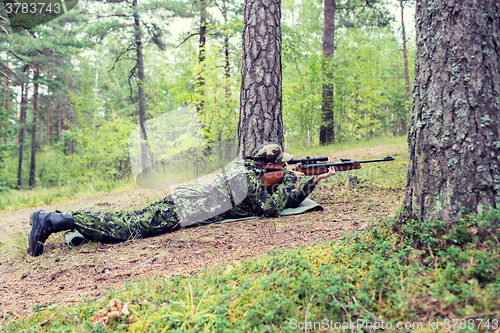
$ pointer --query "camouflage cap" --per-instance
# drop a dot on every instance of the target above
(271, 151)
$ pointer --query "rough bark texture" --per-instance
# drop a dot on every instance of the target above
(327, 133)
(260, 99)
(454, 141)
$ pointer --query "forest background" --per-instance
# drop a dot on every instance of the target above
(71, 91)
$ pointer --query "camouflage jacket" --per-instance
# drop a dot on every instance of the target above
(238, 193)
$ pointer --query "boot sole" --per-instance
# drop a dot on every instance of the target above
(36, 248)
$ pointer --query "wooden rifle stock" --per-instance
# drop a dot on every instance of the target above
(310, 167)
(272, 178)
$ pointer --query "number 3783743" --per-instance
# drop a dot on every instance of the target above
(33, 8)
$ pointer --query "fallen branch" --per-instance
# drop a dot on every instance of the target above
(307, 310)
(494, 237)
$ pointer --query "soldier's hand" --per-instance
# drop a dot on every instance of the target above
(298, 174)
(331, 172)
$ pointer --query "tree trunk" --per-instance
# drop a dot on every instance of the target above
(454, 140)
(22, 131)
(68, 120)
(140, 87)
(48, 126)
(407, 71)
(227, 66)
(6, 97)
(40, 131)
(34, 132)
(327, 129)
(260, 100)
(200, 81)
(59, 126)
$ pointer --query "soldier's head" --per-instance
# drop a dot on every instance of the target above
(270, 155)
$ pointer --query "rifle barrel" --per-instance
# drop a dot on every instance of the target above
(344, 162)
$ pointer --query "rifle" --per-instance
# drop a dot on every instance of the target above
(310, 166)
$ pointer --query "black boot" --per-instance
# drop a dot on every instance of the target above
(43, 223)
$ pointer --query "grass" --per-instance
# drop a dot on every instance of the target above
(39, 196)
(399, 272)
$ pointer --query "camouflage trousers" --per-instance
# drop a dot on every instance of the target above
(159, 218)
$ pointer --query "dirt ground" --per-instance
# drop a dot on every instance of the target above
(76, 274)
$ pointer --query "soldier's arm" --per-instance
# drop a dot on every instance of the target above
(298, 195)
(267, 204)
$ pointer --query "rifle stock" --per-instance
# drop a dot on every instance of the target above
(311, 167)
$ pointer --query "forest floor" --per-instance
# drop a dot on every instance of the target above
(86, 272)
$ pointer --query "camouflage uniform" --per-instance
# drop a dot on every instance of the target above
(162, 217)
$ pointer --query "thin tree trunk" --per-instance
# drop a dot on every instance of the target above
(40, 132)
(327, 129)
(48, 127)
(260, 118)
(22, 131)
(227, 66)
(201, 57)
(140, 87)
(407, 71)
(34, 129)
(6, 98)
(67, 123)
(454, 141)
(52, 135)
(59, 125)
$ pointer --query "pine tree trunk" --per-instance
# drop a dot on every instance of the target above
(454, 140)
(48, 126)
(22, 131)
(6, 98)
(34, 132)
(260, 100)
(59, 125)
(327, 128)
(407, 71)
(68, 120)
(227, 66)
(140, 87)
(40, 132)
(201, 57)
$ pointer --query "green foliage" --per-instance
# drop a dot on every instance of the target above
(368, 68)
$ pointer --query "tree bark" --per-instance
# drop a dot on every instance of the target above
(140, 88)
(260, 118)
(327, 128)
(454, 140)
(407, 71)
(34, 129)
